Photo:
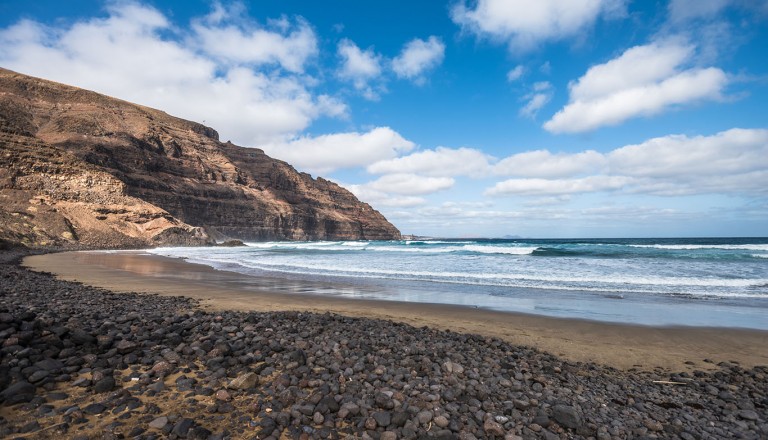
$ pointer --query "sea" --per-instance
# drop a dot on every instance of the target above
(713, 282)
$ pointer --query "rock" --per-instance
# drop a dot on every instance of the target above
(50, 365)
(156, 387)
(182, 427)
(566, 416)
(94, 408)
(362, 378)
(491, 427)
(244, 381)
(141, 177)
(104, 385)
(653, 425)
(349, 409)
(159, 422)
(32, 426)
(20, 388)
(298, 356)
(424, 417)
(162, 368)
(399, 418)
(38, 375)
(383, 418)
(748, 414)
(198, 433)
(388, 435)
(171, 356)
(125, 347)
(81, 337)
(453, 367)
(231, 243)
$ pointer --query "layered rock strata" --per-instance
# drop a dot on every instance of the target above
(82, 169)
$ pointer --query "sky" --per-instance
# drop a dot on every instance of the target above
(459, 118)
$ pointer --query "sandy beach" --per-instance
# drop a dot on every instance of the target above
(621, 346)
(190, 352)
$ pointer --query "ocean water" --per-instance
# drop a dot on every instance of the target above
(719, 282)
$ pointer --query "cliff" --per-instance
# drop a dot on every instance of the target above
(81, 169)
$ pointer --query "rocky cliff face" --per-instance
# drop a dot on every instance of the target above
(82, 169)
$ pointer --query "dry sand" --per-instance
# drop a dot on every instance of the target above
(617, 345)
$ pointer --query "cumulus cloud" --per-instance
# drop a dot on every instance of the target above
(523, 24)
(382, 198)
(546, 187)
(288, 44)
(136, 54)
(643, 81)
(544, 164)
(410, 184)
(327, 153)
(400, 190)
(440, 162)
(417, 57)
(360, 67)
(730, 162)
(735, 160)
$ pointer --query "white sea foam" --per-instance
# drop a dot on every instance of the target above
(307, 266)
(472, 263)
(693, 247)
(511, 250)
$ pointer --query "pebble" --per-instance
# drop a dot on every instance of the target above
(159, 422)
(244, 381)
(302, 375)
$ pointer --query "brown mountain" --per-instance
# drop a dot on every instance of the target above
(81, 169)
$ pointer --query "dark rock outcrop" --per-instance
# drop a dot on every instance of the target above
(82, 169)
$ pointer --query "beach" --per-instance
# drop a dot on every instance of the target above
(616, 345)
(128, 345)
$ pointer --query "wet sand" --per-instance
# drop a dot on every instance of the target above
(617, 345)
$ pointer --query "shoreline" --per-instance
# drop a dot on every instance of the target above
(622, 346)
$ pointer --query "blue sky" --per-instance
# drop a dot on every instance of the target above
(581, 118)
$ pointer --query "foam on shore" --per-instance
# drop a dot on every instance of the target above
(617, 345)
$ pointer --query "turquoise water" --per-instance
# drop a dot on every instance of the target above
(709, 282)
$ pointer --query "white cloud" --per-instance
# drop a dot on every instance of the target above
(381, 198)
(643, 81)
(417, 57)
(410, 184)
(136, 54)
(360, 67)
(542, 163)
(289, 45)
(516, 73)
(538, 98)
(546, 187)
(440, 162)
(735, 160)
(524, 24)
(730, 162)
(324, 154)
(683, 10)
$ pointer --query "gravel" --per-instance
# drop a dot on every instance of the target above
(81, 362)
